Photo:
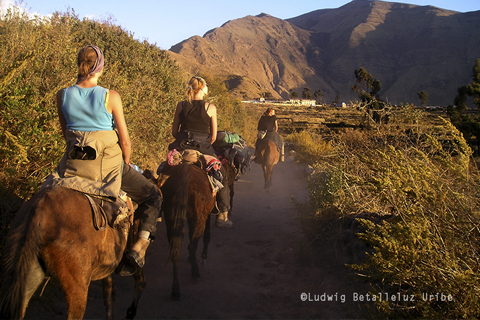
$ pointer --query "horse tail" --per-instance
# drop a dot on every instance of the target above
(180, 205)
(22, 248)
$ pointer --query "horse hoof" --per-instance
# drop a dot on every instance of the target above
(175, 296)
(196, 276)
(131, 313)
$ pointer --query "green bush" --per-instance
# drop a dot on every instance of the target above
(38, 58)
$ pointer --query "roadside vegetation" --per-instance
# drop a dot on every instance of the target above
(412, 188)
(38, 57)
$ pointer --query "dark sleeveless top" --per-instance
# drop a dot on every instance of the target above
(194, 117)
(267, 123)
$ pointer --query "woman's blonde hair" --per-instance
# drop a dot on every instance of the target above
(194, 85)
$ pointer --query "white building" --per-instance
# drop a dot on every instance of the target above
(303, 102)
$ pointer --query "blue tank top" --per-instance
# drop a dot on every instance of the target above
(85, 109)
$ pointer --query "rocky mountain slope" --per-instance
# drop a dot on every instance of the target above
(408, 48)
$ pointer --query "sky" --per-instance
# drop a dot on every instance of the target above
(168, 22)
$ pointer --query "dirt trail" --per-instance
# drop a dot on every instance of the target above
(257, 269)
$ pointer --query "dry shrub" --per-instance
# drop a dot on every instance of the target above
(310, 147)
(414, 185)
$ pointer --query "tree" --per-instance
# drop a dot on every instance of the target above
(369, 88)
(337, 99)
(470, 90)
(267, 95)
(307, 94)
(366, 85)
(423, 96)
(318, 94)
(293, 94)
(468, 124)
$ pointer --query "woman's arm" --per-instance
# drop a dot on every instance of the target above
(115, 104)
(61, 117)
(212, 112)
(276, 126)
(176, 120)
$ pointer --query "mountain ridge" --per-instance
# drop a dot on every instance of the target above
(409, 48)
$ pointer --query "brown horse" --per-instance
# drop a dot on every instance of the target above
(53, 234)
(266, 154)
(187, 196)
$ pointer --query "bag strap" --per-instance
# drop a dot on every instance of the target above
(107, 95)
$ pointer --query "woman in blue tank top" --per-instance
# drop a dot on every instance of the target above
(87, 107)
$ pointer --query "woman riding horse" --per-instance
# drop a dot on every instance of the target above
(55, 234)
(268, 130)
(196, 121)
(94, 127)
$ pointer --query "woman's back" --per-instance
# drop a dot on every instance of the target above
(194, 117)
(85, 109)
(267, 123)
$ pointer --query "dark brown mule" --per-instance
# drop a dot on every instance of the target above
(53, 234)
(187, 196)
(266, 154)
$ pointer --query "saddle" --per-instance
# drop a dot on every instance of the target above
(118, 215)
(211, 165)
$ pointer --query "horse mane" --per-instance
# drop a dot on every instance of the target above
(22, 246)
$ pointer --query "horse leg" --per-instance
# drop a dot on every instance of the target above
(176, 285)
(35, 277)
(268, 176)
(76, 292)
(169, 221)
(206, 240)
(108, 296)
(140, 283)
(265, 175)
(74, 278)
(174, 256)
(192, 249)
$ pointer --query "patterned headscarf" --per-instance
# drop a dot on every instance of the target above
(99, 63)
